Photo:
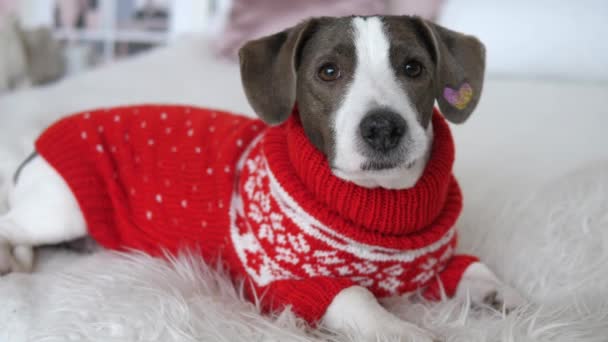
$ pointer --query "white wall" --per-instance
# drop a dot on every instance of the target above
(34, 13)
(188, 16)
(553, 39)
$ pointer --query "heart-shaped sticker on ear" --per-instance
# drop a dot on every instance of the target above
(460, 97)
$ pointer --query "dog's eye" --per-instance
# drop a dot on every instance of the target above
(329, 72)
(413, 69)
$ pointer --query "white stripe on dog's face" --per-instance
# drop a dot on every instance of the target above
(374, 85)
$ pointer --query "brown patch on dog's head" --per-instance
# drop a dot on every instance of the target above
(279, 69)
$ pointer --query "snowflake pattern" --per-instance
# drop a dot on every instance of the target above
(272, 246)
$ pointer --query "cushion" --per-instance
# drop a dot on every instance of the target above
(251, 19)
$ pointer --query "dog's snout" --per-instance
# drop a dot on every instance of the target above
(382, 130)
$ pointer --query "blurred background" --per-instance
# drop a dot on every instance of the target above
(44, 40)
(541, 123)
(544, 104)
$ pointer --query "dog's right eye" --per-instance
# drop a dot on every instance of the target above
(413, 69)
(329, 72)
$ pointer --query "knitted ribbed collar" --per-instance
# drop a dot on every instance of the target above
(304, 172)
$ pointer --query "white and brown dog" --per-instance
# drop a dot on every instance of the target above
(365, 89)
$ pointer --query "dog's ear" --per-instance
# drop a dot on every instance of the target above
(460, 64)
(268, 71)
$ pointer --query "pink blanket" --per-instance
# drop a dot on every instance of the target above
(250, 19)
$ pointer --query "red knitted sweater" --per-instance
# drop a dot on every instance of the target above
(262, 199)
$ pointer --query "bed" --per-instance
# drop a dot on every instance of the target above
(533, 165)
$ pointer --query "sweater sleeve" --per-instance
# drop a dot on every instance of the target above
(308, 298)
(447, 280)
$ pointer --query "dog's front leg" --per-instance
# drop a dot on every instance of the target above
(356, 310)
(340, 305)
(482, 286)
(466, 277)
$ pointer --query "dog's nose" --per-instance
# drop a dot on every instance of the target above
(383, 130)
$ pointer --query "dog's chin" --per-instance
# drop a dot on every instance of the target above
(383, 174)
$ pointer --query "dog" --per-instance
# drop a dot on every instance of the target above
(341, 194)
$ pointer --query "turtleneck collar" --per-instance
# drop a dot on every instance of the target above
(304, 172)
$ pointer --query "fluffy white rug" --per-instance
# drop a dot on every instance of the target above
(553, 246)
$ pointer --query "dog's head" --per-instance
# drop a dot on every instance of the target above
(365, 88)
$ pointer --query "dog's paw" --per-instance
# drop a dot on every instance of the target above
(484, 289)
(503, 298)
(355, 312)
(398, 329)
(15, 258)
(384, 326)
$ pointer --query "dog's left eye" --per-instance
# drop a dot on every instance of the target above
(329, 72)
(413, 69)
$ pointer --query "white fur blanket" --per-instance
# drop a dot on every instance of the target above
(553, 246)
